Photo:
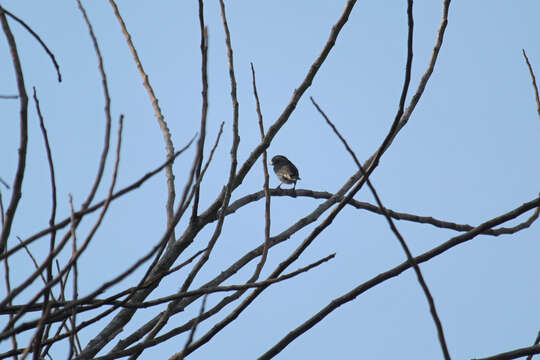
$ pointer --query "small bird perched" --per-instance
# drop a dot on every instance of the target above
(285, 170)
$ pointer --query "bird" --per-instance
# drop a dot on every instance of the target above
(285, 170)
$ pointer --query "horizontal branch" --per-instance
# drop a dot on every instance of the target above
(147, 304)
(374, 209)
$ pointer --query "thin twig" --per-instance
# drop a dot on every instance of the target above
(46, 307)
(36, 334)
(41, 42)
(7, 281)
(2, 211)
(31, 256)
(52, 218)
(194, 327)
(266, 189)
(2, 181)
(429, 70)
(107, 109)
(23, 109)
(8, 97)
(212, 151)
(73, 317)
(184, 203)
(533, 78)
(204, 106)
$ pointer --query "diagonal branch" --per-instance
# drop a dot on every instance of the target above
(398, 235)
(266, 188)
(206, 315)
(159, 116)
(107, 109)
(514, 354)
(394, 272)
(53, 210)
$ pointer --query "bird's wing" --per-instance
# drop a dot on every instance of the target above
(295, 172)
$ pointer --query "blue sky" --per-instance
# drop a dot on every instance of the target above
(468, 153)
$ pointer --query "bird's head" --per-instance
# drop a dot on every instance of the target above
(279, 160)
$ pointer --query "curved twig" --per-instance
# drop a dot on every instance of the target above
(533, 78)
(41, 42)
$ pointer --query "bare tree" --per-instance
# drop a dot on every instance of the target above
(45, 313)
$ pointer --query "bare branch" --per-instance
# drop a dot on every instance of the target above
(195, 324)
(107, 109)
(236, 205)
(53, 212)
(169, 146)
(73, 317)
(204, 110)
(266, 190)
(21, 164)
(212, 151)
(14, 344)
